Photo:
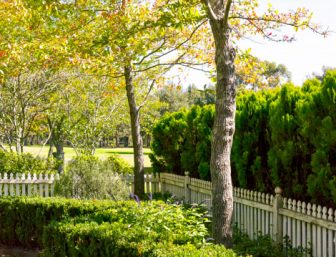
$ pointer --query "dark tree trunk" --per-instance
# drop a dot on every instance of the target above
(56, 139)
(223, 130)
(60, 155)
(136, 136)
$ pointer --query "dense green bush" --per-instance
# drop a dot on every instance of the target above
(168, 142)
(87, 177)
(318, 118)
(251, 141)
(284, 137)
(23, 218)
(131, 231)
(25, 163)
(182, 141)
(118, 165)
(63, 227)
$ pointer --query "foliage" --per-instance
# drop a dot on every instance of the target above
(168, 140)
(11, 162)
(23, 218)
(68, 227)
(284, 137)
(182, 140)
(257, 74)
(118, 164)
(87, 177)
(149, 229)
(264, 246)
(318, 118)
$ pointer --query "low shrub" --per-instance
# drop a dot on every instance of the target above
(264, 246)
(87, 177)
(69, 227)
(149, 229)
(23, 218)
(25, 163)
(118, 165)
(117, 239)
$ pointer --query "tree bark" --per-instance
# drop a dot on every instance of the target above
(223, 130)
(139, 188)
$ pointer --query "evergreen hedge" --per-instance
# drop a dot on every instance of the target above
(284, 137)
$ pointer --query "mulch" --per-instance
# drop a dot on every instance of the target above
(6, 251)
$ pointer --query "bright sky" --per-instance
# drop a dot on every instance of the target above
(308, 54)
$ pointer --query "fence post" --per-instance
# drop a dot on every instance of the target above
(187, 191)
(277, 219)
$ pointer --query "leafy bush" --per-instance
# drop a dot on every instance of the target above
(25, 163)
(182, 142)
(149, 229)
(23, 218)
(118, 165)
(69, 227)
(87, 177)
(264, 246)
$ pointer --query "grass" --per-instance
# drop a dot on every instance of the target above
(102, 153)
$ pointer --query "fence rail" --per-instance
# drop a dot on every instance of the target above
(306, 225)
(27, 185)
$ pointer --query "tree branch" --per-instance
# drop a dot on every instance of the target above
(210, 10)
(185, 41)
(146, 97)
(304, 24)
(227, 11)
(151, 53)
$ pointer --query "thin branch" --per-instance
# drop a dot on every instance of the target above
(211, 11)
(151, 53)
(194, 68)
(161, 64)
(279, 22)
(265, 34)
(185, 41)
(146, 97)
(3, 147)
(227, 11)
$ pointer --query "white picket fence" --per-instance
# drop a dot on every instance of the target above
(307, 225)
(27, 185)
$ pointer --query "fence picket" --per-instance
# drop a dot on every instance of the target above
(306, 224)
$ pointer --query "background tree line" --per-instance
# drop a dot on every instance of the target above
(284, 137)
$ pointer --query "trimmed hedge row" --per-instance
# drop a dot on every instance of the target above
(118, 239)
(23, 219)
(63, 227)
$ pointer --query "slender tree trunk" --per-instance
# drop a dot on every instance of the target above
(136, 136)
(60, 155)
(56, 139)
(223, 130)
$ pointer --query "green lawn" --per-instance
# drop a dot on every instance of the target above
(126, 153)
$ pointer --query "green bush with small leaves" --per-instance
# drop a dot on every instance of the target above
(69, 227)
(25, 163)
(88, 177)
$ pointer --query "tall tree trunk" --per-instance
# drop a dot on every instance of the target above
(223, 130)
(139, 188)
